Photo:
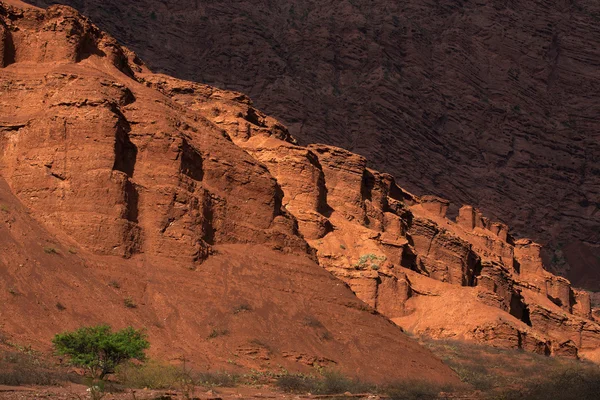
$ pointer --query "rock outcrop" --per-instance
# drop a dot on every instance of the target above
(120, 205)
(486, 103)
(466, 278)
(147, 174)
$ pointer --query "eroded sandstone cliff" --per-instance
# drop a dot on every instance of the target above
(119, 205)
(488, 103)
(201, 202)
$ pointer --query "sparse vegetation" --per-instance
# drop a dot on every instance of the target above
(342, 247)
(26, 368)
(242, 308)
(129, 303)
(369, 260)
(216, 332)
(155, 375)
(114, 284)
(415, 390)
(72, 250)
(4, 208)
(13, 291)
(565, 383)
(331, 382)
(312, 322)
(219, 379)
(151, 375)
(505, 374)
(50, 250)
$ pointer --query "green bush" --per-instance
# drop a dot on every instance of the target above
(99, 350)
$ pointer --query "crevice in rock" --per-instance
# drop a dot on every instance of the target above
(125, 150)
(7, 47)
(323, 207)
(519, 309)
(191, 162)
(477, 268)
(208, 215)
(517, 266)
(131, 201)
(87, 48)
(252, 117)
(366, 188)
(409, 258)
(277, 200)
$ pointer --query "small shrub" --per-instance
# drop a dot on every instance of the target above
(50, 250)
(114, 284)
(13, 291)
(241, 308)
(368, 259)
(218, 332)
(312, 322)
(326, 335)
(99, 350)
(129, 303)
(60, 307)
(342, 247)
(72, 250)
(4, 208)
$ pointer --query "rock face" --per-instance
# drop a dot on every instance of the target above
(483, 103)
(466, 278)
(195, 198)
(120, 205)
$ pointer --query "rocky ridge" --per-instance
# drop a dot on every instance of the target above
(118, 205)
(394, 248)
(486, 103)
(150, 173)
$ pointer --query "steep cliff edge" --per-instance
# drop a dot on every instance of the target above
(487, 103)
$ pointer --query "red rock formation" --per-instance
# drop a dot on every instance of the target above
(128, 164)
(484, 103)
(143, 199)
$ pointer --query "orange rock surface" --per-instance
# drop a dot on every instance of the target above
(486, 103)
(204, 213)
(121, 205)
